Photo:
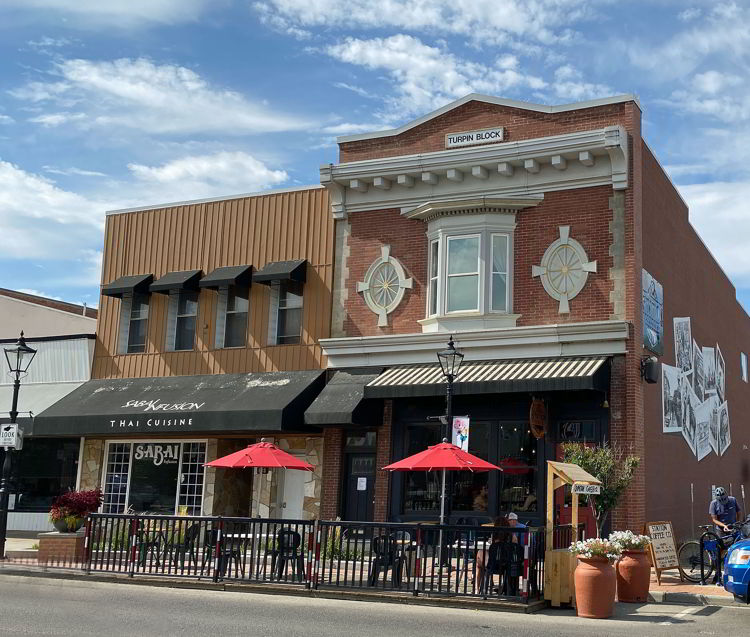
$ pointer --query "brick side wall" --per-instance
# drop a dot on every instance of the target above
(694, 286)
(519, 124)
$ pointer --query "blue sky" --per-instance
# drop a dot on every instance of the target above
(106, 105)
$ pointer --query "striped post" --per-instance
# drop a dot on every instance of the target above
(525, 577)
(310, 548)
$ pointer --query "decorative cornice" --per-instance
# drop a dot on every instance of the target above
(515, 169)
(480, 205)
(534, 341)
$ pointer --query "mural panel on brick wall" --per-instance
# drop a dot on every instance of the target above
(694, 401)
(653, 314)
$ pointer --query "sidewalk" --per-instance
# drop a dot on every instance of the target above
(672, 590)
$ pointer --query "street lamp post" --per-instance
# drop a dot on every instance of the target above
(19, 358)
(450, 360)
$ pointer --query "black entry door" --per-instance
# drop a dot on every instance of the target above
(360, 487)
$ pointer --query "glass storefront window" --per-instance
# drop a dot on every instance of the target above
(421, 488)
(470, 490)
(164, 477)
(41, 471)
(517, 457)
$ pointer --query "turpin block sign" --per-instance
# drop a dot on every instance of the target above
(587, 489)
(11, 436)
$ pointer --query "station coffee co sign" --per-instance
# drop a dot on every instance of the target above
(474, 137)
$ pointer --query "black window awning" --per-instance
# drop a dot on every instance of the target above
(237, 275)
(295, 270)
(184, 280)
(133, 284)
(218, 403)
(491, 377)
(342, 401)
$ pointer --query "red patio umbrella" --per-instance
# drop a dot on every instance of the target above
(446, 457)
(262, 455)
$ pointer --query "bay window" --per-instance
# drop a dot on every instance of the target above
(469, 268)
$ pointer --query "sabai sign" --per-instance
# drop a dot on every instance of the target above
(158, 454)
(587, 489)
(474, 137)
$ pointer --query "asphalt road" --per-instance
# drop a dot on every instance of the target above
(35, 606)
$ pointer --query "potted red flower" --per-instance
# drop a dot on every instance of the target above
(69, 510)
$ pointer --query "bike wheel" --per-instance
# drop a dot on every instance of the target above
(689, 562)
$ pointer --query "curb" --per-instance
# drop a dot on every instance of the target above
(465, 603)
(692, 599)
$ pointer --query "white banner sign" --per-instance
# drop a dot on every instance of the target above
(10, 435)
(473, 137)
(587, 489)
(461, 432)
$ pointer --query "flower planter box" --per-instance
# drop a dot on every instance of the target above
(60, 548)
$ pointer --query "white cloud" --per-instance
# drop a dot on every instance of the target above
(113, 13)
(137, 94)
(72, 170)
(718, 211)
(689, 14)
(40, 220)
(46, 42)
(482, 21)
(722, 34)
(426, 77)
(569, 84)
(34, 292)
(6, 119)
(196, 177)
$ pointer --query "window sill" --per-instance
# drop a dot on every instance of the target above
(468, 321)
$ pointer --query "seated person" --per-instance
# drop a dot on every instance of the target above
(480, 500)
(484, 553)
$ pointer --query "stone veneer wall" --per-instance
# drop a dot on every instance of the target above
(232, 487)
(92, 462)
(209, 484)
(265, 488)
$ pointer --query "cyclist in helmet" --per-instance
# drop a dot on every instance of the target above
(723, 510)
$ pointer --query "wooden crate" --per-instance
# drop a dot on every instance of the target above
(558, 577)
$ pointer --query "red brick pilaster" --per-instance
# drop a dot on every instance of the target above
(382, 458)
(331, 487)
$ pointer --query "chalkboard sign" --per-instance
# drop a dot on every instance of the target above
(663, 550)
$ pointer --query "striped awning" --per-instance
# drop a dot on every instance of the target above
(489, 377)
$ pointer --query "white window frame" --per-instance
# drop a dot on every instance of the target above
(131, 442)
(273, 313)
(492, 273)
(433, 260)
(222, 313)
(174, 304)
(485, 225)
(477, 272)
(126, 318)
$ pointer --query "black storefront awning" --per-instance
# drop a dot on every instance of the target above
(185, 280)
(137, 283)
(342, 401)
(282, 271)
(237, 275)
(491, 377)
(219, 403)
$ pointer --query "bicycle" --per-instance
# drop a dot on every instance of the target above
(689, 555)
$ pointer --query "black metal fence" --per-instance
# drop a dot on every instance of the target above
(477, 561)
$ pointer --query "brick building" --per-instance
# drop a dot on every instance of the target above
(549, 242)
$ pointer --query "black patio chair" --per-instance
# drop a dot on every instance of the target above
(176, 549)
(230, 552)
(512, 558)
(148, 543)
(385, 550)
(287, 550)
(494, 566)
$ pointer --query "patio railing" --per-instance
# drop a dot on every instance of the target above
(420, 559)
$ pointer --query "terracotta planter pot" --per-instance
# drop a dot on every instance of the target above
(595, 582)
(633, 576)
